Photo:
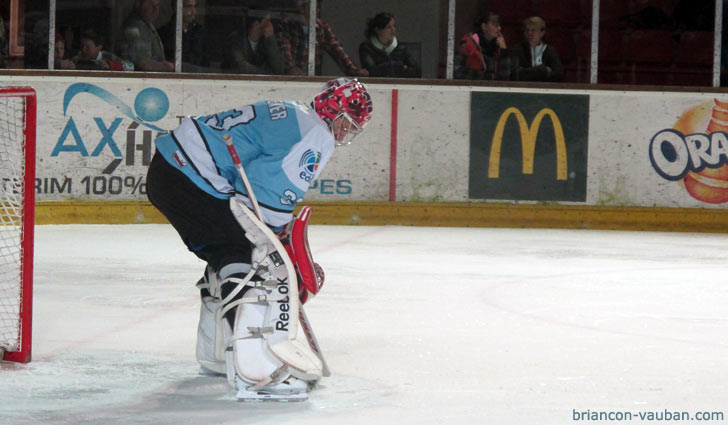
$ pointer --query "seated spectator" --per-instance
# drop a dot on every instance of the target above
(93, 56)
(533, 59)
(140, 42)
(194, 45)
(382, 55)
(255, 51)
(482, 53)
(3, 46)
(293, 41)
(59, 54)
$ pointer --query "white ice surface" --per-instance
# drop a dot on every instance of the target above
(419, 325)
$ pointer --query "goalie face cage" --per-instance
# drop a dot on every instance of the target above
(17, 205)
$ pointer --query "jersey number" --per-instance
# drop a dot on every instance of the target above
(229, 119)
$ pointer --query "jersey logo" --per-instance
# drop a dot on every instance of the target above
(309, 164)
(179, 159)
(310, 161)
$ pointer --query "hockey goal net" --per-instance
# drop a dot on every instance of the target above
(17, 177)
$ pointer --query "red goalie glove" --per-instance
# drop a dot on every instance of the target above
(295, 240)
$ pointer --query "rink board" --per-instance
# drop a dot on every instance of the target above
(596, 151)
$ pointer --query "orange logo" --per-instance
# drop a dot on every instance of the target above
(696, 153)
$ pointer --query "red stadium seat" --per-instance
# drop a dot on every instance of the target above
(563, 13)
(614, 13)
(513, 33)
(650, 46)
(695, 48)
(649, 56)
(611, 57)
(563, 41)
(511, 11)
(611, 46)
(696, 79)
(694, 61)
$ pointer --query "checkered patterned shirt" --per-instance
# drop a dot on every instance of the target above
(294, 46)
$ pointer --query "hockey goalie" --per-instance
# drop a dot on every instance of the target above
(228, 183)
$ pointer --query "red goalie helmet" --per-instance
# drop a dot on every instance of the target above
(345, 98)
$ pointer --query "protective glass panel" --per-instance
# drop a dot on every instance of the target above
(381, 38)
(523, 40)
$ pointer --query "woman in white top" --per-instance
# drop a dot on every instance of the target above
(536, 60)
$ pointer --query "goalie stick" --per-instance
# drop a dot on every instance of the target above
(307, 329)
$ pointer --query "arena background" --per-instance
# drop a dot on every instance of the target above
(434, 154)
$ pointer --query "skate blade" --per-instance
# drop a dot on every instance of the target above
(255, 397)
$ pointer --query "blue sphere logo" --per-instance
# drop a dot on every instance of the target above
(310, 161)
(151, 104)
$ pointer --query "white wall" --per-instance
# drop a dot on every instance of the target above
(433, 140)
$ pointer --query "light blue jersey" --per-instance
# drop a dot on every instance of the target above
(282, 145)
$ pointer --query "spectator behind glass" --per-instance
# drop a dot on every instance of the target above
(140, 42)
(59, 54)
(3, 45)
(93, 56)
(382, 55)
(533, 59)
(194, 44)
(256, 51)
(482, 53)
(293, 41)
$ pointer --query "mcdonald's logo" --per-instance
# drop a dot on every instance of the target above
(540, 155)
(529, 136)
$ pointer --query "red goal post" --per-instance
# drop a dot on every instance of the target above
(17, 211)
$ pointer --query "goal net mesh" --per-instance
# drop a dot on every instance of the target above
(12, 169)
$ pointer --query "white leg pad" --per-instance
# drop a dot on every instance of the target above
(252, 359)
(283, 337)
(210, 337)
(211, 342)
(297, 354)
(254, 365)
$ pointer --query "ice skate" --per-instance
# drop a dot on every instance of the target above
(290, 390)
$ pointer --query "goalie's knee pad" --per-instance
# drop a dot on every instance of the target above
(211, 343)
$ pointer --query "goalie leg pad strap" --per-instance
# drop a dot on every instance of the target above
(211, 342)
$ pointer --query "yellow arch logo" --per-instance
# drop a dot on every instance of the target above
(528, 141)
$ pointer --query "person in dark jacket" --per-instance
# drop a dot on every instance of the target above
(534, 60)
(256, 51)
(3, 46)
(483, 54)
(194, 38)
(382, 55)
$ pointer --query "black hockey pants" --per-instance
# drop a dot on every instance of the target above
(205, 223)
